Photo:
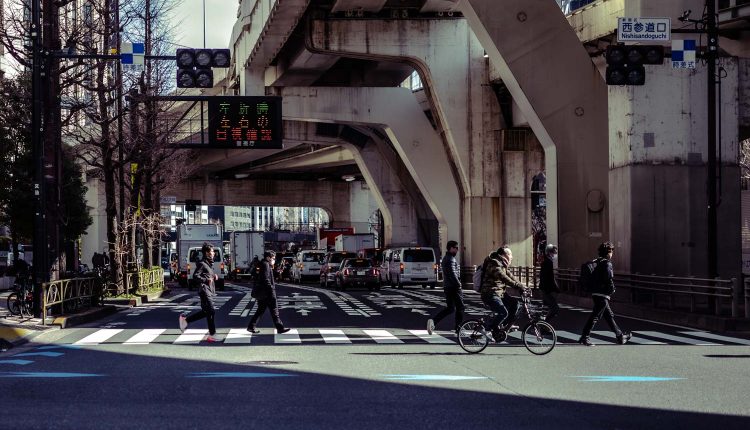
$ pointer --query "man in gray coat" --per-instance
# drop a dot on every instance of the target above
(454, 298)
(204, 274)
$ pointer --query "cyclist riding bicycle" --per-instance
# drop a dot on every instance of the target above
(496, 279)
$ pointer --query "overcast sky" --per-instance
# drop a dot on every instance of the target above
(220, 18)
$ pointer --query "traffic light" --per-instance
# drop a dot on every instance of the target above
(194, 66)
(625, 63)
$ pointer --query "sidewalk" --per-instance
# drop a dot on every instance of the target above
(16, 330)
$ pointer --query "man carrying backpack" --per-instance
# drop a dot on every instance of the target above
(602, 287)
(495, 279)
(454, 298)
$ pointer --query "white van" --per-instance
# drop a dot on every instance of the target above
(307, 264)
(195, 254)
(413, 266)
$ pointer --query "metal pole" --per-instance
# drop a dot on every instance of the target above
(41, 272)
(204, 24)
(711, 57)
(120, 155)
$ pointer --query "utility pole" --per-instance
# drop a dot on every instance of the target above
(711, 58)
(121, 156)
(41, 270)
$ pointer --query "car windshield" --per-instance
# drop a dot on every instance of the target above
(418, 256)
(312, 257)
(359, 263)
(339, 257)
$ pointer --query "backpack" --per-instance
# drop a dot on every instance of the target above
(478, 277)
(586, 279)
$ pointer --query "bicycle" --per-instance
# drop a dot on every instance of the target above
(21, 302)
(538, 336)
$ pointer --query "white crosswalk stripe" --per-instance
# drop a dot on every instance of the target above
(382, 336)
(712, 336)
(191, 336)
(635, 339)
(292, 336)
(680, 339)
(430, 338)
(99, 336)
(144, 337)
(334, 336)
(238, 336)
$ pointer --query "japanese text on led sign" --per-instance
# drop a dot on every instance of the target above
(245, 122)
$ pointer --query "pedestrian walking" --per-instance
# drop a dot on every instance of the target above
(496, 279)
(264, 292)
(602, 288)
(548, 283)
(454, 297)
(205, 276)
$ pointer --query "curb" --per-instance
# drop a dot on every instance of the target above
(139, 299)
(84, 317)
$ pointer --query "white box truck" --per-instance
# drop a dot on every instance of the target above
(194, 236)
(354, 242)
(245, 246)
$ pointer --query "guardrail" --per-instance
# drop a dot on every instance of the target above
(69, 294)
(696, 295)
(144, 280)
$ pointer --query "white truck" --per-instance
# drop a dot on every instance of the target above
(354, 242)
(244, 246)
(194, 236)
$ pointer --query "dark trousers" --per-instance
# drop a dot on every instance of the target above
(550, 300)
(263, 304)
(454, 302)
(601, 306)
(506, 310)
(207, 311)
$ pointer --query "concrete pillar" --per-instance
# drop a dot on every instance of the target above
(398, 114)
(562, 95)
(658, 174)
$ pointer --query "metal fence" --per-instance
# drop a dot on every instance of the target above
(722, 297)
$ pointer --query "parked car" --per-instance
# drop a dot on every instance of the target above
(413, 266)
(356, 272)
(329, 266)
(307, 265)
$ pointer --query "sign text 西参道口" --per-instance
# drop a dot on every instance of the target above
(631, 29)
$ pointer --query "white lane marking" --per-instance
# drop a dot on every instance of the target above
(575, 337)
(292, 336)
(146, 336)
(98, 336)
(681, 339)
(712, 336)
(191, 336)
(245, 312)
(635, 339)
(382, 336)
(430, 338)
(238, 335)
(334, 336)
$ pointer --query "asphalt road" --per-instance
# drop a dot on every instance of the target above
(361, 360)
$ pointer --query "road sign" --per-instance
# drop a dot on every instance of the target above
(132, 55)
(683, 54)
(245, 122)
(631, 29)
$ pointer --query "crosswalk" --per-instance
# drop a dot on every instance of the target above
(352, 336)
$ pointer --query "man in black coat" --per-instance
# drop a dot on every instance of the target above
(204, 274)
(548, 283)
(264, 292)
(454, 298)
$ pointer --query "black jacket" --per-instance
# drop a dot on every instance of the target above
(604, 284)
(547, 281)
(451, 272)
(264, 285)
(204, 273)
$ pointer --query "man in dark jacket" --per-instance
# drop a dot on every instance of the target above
(496, 279)
(204, 274)
(548, 283)
(603, 288)
(454, 298)
(264, 292)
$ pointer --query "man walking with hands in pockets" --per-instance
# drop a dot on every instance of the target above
(454, 298)
(204, 273)
(264, 292)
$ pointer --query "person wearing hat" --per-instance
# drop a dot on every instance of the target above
(548, 283)
(264, 292)
(454, 298)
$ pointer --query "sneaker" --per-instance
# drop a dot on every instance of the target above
(183, 323)
(282, 331)
(212, 338)
(487, 334)
(624, 338)
(586, 341)
(430, 326)
(253, 330)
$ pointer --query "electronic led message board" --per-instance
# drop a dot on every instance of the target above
(245, 122)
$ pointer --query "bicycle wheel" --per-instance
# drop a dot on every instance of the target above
(14, 305)
(471, 337)
(539, 337)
